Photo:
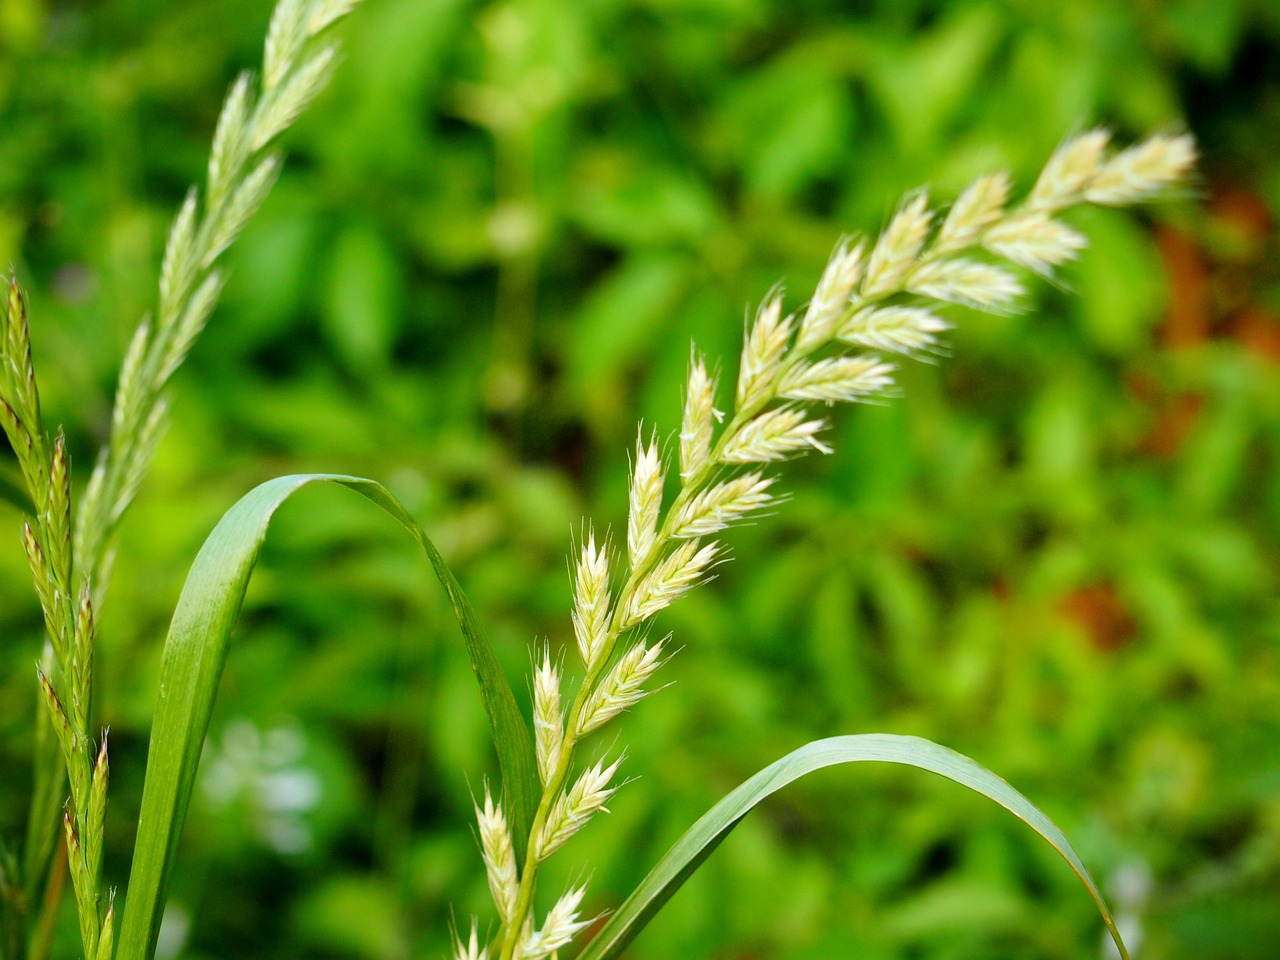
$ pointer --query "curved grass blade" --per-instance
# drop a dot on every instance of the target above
(703, 837)
(194, 654)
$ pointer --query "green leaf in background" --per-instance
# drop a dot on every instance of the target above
(691, 850)
(194, 654)
(12, 489)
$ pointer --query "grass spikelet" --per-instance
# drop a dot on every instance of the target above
(831, 298)
(561, 925)
(1143, 170)
(981, 205)
(242, 204)
(1070, 169)
(285, 37)
(283, 105)
(623, 687)
(775, 435)
(905, 330)
(761, 352)
(1035, 241)
(572, 809)
(716, 507)
(230, 146)
(896, 251)
(176, 268)
(499, 856)
(646, 501)
(968, 282)
(838, 380)
(591, 600)
(471, 950)
(548, 722)
(677, 574)
(699, 418)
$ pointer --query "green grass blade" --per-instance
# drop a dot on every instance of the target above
(703, 837)
(194, 654)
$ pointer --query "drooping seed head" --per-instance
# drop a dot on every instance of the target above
(898, 247)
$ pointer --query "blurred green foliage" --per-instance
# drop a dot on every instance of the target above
(496, 237)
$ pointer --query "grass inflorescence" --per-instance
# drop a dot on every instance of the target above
(875, 300)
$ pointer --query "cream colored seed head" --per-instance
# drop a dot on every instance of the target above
(1143, 170)
(762, 351)
(897, 249)
(1035, 241)
(831, 299)
(623, 688)
(471, 950)
(646, 502)
(969, 282)
(1070, 169)
(561, 926)
(839, 380)
(905, 330)
(591, 600)
(716, 507)
(677, 574)
(548, 723)
(980, 206)
(499, 856)
(700, 415)
(775, 435)
(572, 809)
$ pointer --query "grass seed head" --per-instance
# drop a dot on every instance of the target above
(980, 206)
(548, 722)
(698, 424)
(499, 856)
(623, 687)
(646, 501)
(896, 251)
(561, 926)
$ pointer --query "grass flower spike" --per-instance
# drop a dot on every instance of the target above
(865, 305)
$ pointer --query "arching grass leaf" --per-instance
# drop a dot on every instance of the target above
(194, 654)
(704, 836)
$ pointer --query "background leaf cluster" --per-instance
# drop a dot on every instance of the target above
(496, 237)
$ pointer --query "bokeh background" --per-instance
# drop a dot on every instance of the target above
(496, 237)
